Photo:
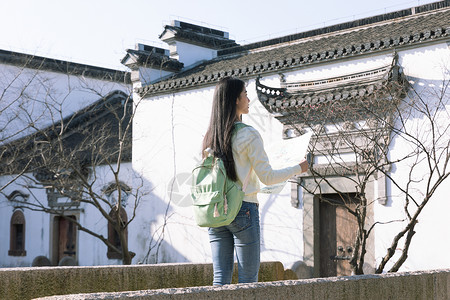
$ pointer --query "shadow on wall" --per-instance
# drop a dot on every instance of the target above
(424, 107)
(155, 229)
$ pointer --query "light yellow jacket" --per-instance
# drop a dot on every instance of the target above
(248, 152)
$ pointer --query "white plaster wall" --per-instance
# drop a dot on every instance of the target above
(149, 75)
(166, 141)
(426, 67)
(190, 54)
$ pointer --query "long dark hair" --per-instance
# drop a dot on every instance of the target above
(223, 116)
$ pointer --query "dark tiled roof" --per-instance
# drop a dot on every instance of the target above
(151, 59)
(338, 27)
(425, 27)
(101, 118)
(201, 35)
(61, 66)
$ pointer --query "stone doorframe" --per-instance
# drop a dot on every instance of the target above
(311, 222)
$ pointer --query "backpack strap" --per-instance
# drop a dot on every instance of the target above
(239, 125)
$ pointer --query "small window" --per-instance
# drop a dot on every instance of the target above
(17, 235)
(112, 193)
(113, 236)
(17, 197)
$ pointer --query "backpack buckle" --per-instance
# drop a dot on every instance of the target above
(209, 151)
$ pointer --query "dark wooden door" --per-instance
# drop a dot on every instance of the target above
(337, 235)
(67, 238)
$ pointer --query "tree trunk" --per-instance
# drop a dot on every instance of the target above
(126, 255)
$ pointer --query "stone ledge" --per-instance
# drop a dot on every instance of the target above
(410, 285)
(28, 283)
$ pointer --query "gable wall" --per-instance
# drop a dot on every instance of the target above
(44, 95)
(190, 54)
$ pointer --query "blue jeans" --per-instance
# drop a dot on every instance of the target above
(242, 234)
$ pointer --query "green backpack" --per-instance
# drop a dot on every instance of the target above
(217, 199)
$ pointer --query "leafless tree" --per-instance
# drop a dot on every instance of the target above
(15, 84)
(422, 126)
(355, 144)
(69, 157)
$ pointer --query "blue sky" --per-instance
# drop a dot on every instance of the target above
(98, 32)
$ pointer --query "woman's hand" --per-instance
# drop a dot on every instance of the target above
(304, 164)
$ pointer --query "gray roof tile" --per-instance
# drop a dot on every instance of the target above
(150, 59)
(201, 35)
(393, 34)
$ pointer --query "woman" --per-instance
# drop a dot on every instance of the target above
(243, 155)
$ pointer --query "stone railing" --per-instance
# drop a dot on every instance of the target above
(426, 285)
(29, 283)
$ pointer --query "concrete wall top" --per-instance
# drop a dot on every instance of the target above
(28, 283)
(414, 285)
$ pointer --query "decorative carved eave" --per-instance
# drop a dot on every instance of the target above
(348, 97)
(17, 194)
(359, 107)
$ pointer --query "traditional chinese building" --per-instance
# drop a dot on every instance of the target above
(352, 85)
(345, 83)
